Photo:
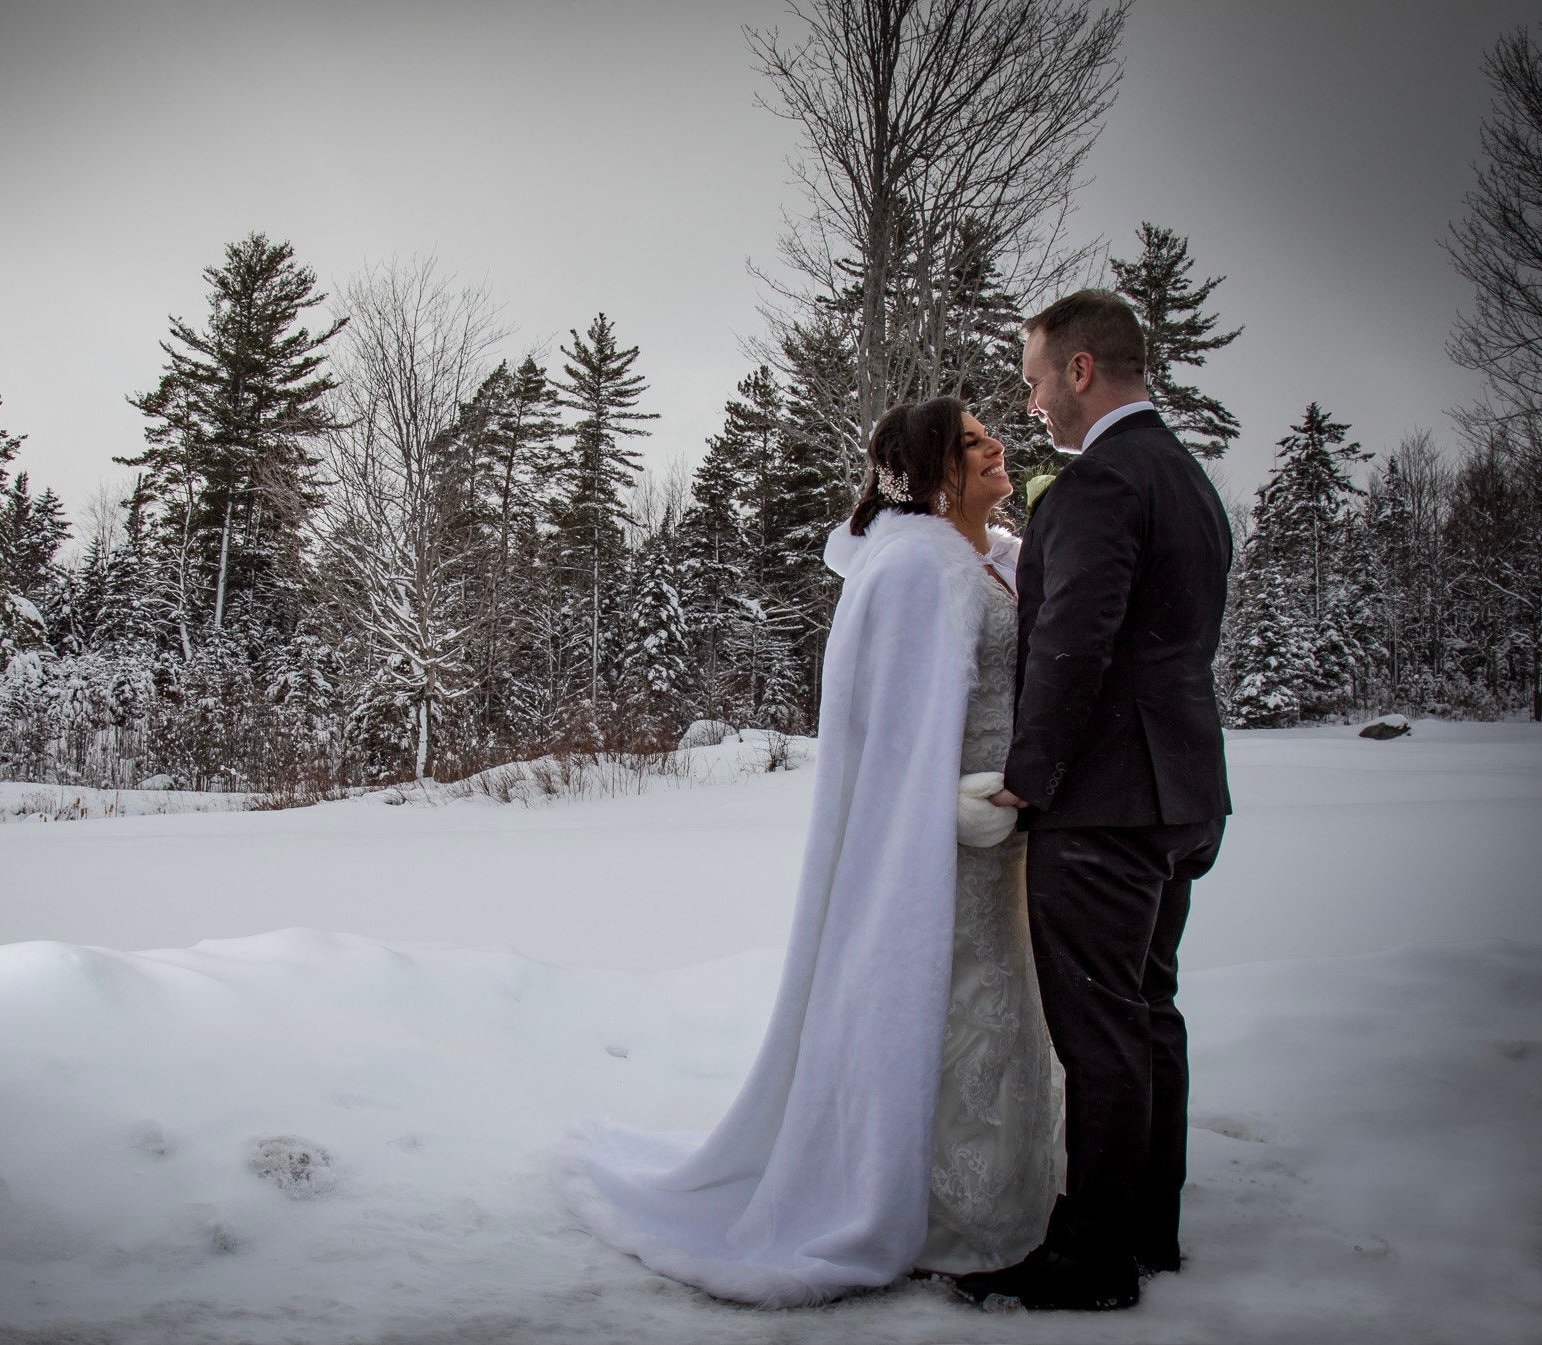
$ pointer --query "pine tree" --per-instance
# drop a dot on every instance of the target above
(824, 465)
(21, 625)
(232, 423)
(713, 548)
(763, 502)
(137, 605)
(1298, 574)
(84, 590)
(817, 359)
(1272, 656)
(1389, 530)
(790, 502)
(1168, 304)
(35, 529)
(508, 431)
(983, 364)
(599, 385)
(1302, 504)
(10, 444)
(783, 695)
(169, 490)
(653, 683)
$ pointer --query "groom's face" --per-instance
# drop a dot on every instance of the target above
(1050, 394)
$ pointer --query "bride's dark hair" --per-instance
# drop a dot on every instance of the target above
(922, 442)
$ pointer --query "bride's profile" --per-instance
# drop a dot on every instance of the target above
(901, 1112)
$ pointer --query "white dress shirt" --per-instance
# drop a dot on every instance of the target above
(1118, 413)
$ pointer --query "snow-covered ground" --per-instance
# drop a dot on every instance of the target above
(287, 1133)
(21, 801)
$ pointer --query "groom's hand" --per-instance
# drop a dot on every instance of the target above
(1005, 798)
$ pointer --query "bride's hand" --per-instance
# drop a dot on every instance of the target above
(1005, 798)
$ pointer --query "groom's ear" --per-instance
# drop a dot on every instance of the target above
(1079, 371)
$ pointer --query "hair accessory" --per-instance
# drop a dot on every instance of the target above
(941, 506)
(892, 486)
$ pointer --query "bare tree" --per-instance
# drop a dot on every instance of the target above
(941, 141)
(414, 351)
(102, 516)
(1498, 248)
(662, 494)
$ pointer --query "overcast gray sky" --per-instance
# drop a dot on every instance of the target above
(600, 154)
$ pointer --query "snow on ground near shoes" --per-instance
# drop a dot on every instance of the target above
(303, 1135)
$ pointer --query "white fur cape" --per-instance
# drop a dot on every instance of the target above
(817, 1180)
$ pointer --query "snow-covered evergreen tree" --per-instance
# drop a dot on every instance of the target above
(138, 600)
(9, 445)
(653, 686)
(510, 429)
(784, 695)
(21, 624)
(1169, 306)
(1272, 657)
(35, 529)
(600, 387)
(1299, 577)
(1301, 508)
(233, 425)
(713, 549)
(983, 366)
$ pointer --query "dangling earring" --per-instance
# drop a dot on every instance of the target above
(941, 507)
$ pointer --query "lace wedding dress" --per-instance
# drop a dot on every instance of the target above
(996, 1137)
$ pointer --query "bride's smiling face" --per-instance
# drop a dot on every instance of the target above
(985, 482)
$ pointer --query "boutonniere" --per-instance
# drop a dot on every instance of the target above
(1035, 487)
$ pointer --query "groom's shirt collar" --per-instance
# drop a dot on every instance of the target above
(1117, 414)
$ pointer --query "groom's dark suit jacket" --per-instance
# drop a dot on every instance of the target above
(1121, 583)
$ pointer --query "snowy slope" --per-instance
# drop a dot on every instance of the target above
(324, 1137)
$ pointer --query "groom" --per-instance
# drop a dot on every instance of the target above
(1116, 762)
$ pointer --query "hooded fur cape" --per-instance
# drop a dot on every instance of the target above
(816, 1181)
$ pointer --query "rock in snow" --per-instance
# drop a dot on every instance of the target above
(1388, 726)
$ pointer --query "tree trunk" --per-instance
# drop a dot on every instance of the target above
(219, 591)
(594, 626)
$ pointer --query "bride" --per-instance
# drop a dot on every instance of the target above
(900, 1114)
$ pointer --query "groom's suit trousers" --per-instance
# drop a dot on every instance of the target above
(1107, 908)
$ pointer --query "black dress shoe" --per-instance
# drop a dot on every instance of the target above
(1050, 1279)
(1152, 1262)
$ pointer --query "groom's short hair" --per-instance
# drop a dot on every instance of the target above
(1099, 322)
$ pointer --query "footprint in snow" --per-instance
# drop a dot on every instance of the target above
(301, 1169)
(149, 1137)
(1248, 1128)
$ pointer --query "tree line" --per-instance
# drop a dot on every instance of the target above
(1421, 590)
(362, 544)
(362, 550)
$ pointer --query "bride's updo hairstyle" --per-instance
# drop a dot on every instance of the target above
(920, 446)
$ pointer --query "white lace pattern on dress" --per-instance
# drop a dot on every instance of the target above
(997, 1137)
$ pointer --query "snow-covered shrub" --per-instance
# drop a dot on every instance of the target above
(706, 733)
